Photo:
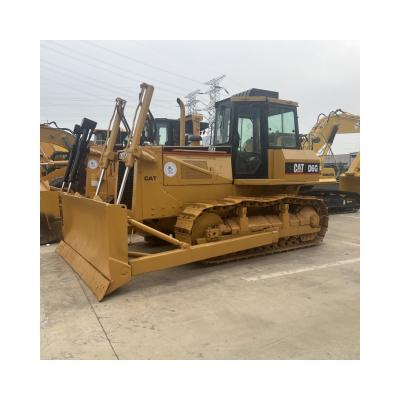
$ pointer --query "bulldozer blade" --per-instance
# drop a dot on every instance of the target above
(95, 243)
(50, 218)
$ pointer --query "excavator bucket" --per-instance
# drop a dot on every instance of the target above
(95, 242)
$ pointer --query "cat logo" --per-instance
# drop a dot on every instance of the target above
(150, 178)
(298, 168)
(302, 168)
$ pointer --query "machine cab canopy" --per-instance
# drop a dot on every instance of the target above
(256, 119)
(252, 122)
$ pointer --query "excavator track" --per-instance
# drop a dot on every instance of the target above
(187, 219)
(339, 202)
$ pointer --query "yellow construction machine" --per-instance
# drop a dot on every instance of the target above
(72, 162)
(236, 199)
(344, 194)
(349, 181)
(92, 155)
(55, 145)
(50, 180)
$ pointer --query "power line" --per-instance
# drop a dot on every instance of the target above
(101, 85)
(70, 71)
(113, 65)
(69, 56)
(139, 61)
(76, 90)
(92, 95)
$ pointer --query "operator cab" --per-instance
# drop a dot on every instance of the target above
(165, 131)
(99, 137)
(251, 123)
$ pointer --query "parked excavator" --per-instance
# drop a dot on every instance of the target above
(344, 194)
(235, 200)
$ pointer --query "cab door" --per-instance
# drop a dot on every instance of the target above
(249, 141)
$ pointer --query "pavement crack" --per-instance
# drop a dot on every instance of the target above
(97, 317)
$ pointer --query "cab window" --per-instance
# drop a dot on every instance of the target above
(247, 140)
(162, 135)
(249, 134)
(60, 156)
(281, 127)
(222, 124)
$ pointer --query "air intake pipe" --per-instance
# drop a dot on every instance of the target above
(181, 122)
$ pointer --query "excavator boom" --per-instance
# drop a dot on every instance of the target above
(343, 196)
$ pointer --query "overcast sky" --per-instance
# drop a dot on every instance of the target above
(83, 78)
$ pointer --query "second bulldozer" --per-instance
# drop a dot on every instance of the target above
(236, 199)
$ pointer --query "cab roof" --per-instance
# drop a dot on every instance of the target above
(262, 95)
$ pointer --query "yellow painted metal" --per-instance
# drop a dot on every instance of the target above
(132, 148)
(196, 120)
(154, 232)
(322, 135)
(349, 181)
(107, 188)
(181, 122)
(96, 243)
(321, 138)
(95, 234)
(56, 137)
(263, 99)
(108, 154)
(51, 140)
(170, 189)
(50, 218)
(174, 258)
(277, 158)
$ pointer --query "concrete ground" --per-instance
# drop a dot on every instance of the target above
(303, 304)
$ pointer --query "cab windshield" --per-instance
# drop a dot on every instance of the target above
(281, 127)
(267, 126)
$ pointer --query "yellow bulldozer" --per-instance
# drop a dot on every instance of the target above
(344, 194)
(84, 160)
(70, 161)
(238, 198)
(55, 144)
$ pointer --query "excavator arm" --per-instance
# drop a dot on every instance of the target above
(323, 133)
(344, 197)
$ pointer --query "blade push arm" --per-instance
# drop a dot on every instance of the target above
(132, 149)
(108, 153)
